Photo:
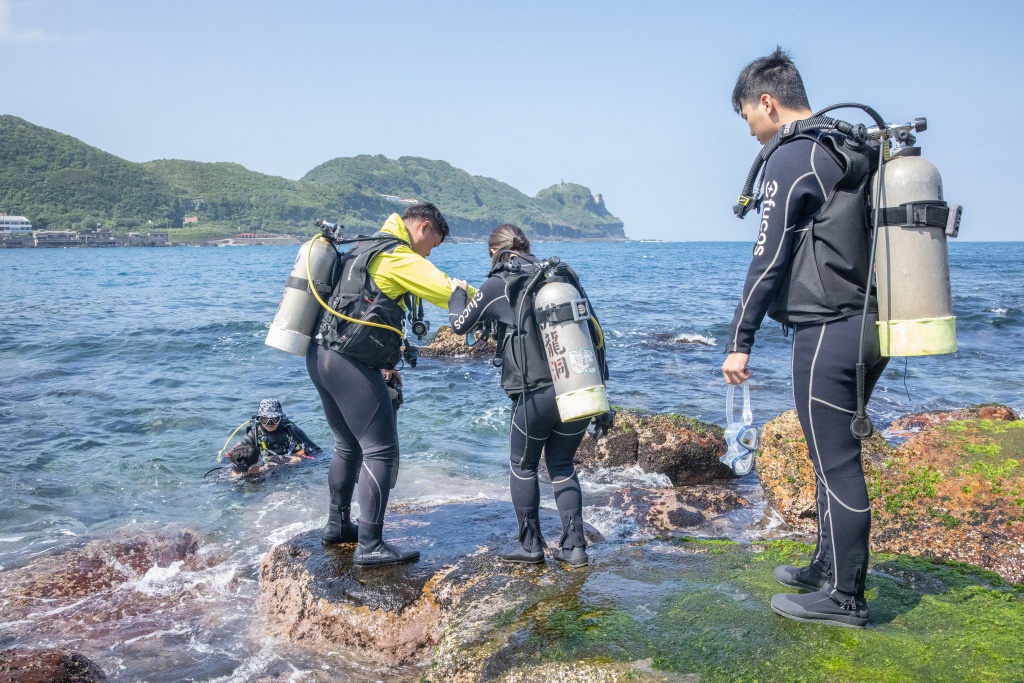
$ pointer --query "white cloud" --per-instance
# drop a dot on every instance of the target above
(10, 33)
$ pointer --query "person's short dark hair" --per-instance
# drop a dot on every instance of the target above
(428, 212)
(244, 456)
(775, 75)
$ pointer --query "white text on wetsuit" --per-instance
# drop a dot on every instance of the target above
(766, 205)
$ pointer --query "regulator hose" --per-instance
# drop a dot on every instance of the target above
(312, 289)
(220, 453)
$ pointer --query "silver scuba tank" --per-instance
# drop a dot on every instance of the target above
(563, 316)
(915, 306)
(297, 314)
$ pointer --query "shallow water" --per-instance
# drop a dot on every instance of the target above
(123, 372)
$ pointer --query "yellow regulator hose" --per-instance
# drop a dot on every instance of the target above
(220, 453)
(312, 289)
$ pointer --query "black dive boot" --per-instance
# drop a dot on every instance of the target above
(809, 578)
(373, 550)
(529, 548)
(340, 528)
(827, 606)
(572, 546)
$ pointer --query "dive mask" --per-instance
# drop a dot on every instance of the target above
(741, 437)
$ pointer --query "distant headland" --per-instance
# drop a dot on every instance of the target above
(93, 198)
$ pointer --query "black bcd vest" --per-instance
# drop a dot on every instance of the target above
(828, 270)
(521, 345)
(355, 294)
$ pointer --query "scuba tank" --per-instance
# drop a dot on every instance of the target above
(564, 318)
(915, 306)
(299, 310)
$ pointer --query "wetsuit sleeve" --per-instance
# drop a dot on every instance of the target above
(793, 193)
(489, 303)
(403, 270)
(304, 441)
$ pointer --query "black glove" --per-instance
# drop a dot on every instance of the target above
(603, 424)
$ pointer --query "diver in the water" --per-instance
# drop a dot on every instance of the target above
(271, 439)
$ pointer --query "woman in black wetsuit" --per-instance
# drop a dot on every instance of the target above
(535, 425)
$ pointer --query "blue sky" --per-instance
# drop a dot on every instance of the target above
(629, 99)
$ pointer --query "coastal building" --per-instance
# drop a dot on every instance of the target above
(56, 238)
(191, 219)
(14, 224)
(97, 238)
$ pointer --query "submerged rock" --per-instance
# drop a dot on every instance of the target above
(682, 448)
(666, 511)
(47, 666)
(954, 490)
(447, 344)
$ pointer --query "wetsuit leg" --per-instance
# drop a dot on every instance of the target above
(532, 420)
(559, 452)
(825, 391)
(358, 408)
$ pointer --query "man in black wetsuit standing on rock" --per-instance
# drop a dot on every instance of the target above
(809, 272)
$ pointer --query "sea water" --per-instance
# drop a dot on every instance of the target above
(122, 372)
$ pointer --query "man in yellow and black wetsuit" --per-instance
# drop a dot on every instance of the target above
(345, 366)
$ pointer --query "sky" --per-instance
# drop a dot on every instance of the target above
(631, 99)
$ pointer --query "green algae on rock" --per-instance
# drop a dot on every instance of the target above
(954, 490)
(699, 611)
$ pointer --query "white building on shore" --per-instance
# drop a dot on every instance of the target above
(15, 224)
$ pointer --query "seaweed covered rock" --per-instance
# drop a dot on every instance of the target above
(682, 448)
(686, 611)
(19, 665)
(954, 490)
(785, 472)
(447, 344)
(667, 511)
(910, 424)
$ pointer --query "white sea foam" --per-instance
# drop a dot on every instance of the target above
(616, 478)
(11, 539)
(695, 338)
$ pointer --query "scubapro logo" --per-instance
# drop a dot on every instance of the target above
(766, 206)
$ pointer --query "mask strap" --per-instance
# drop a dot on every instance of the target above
(748, 416)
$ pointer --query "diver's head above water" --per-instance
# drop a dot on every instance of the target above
(270, 414)
(506, 241)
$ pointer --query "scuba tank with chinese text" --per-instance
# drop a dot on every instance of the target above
(564, 318)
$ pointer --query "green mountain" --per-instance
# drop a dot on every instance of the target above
(59, 182)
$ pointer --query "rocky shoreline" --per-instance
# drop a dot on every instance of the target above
(944, 586)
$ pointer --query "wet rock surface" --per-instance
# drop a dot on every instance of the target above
(667, 511)
(447, 344)
(677, 611)
(140, 595)
(47, 666)
(682, 448)
(392, 615)
(954, 490)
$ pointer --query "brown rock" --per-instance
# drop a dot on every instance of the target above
(953, 491)
(47, 666)
(909, 424)
(392, 615)
(447, 344)
(665, 511)
(684, 449)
